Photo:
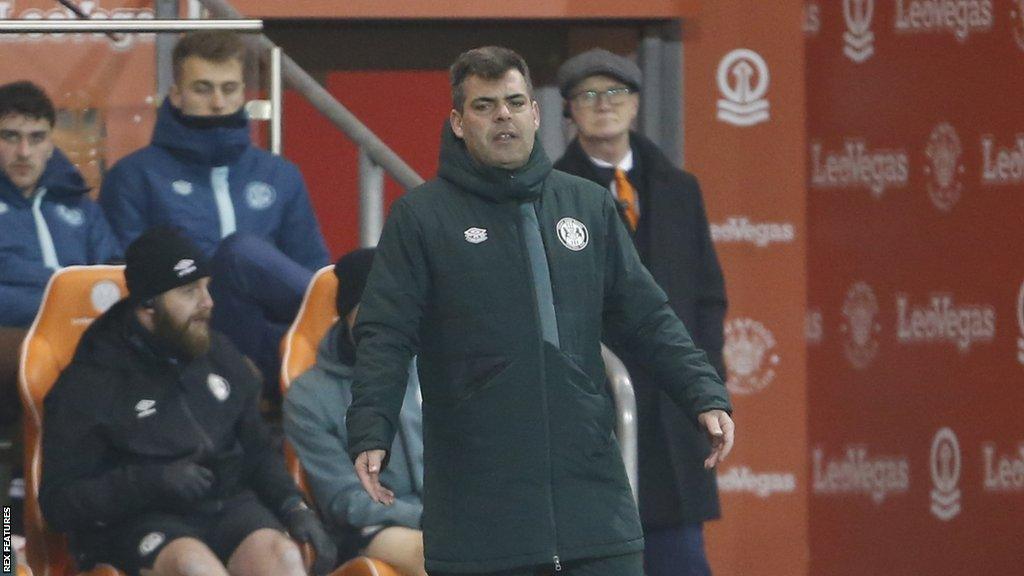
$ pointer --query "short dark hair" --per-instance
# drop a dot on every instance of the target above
(489, 63)
(25, 98)
(213, 45)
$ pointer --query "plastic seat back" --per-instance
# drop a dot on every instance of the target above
(74, 297)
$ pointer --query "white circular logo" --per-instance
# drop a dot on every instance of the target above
(573, 234)
(944, 166)
(219, 387)
(749, 356)
(259, 195)
(860, 310)
(73, 216)
(858, 15)
(149, 543)
(104, 294)
(3, 208)
(751, 76)
(945, 468)
(181, 187)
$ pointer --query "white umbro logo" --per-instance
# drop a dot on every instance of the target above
(184, 267)
(475, 235)
(145, 408)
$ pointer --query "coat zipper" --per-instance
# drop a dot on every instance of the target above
(543, 380)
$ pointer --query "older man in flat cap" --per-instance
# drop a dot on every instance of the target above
(662, 207)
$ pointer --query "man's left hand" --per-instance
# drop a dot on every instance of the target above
(304, 526)
(720, 429)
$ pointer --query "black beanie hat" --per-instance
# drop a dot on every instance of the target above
(160, 259)
(352, 270)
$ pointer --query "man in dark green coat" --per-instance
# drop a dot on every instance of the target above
(504, 276)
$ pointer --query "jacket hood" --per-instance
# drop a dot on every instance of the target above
(60, 178)
(216, 141)
(327, 356)
(103, 343)
(488, 182)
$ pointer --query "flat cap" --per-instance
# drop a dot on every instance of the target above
(597, 62)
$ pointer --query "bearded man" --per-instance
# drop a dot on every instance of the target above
(156, 460)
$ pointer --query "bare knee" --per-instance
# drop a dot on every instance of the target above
(286, 552)
(187, 557)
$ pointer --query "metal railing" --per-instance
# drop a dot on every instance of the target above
(621, 387)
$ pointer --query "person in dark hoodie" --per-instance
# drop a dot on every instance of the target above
(155, 457)
(246, 208)
(315, 426)
(47, 221)
(662, 207)
(504, 276)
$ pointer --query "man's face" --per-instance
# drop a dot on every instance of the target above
(26, 145)
(498, 121)
(181, 318)
(606, 112)
(208, 88)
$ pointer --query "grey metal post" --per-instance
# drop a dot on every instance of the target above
(552, 137)
(650, 95)
(671, 139)
(323, 101)
(371, 200)
(164, 9)
(621, 387)
(276, 100)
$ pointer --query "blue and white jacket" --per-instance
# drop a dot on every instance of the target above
(205, 177)
(58, 226)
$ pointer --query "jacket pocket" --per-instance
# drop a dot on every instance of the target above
(471, 376)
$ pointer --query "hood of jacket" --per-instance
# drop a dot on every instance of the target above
(103, 343)
(488, 182)
(60, 178)
(327, 356)
(213, 141)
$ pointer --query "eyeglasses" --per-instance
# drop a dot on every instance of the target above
(614, 96)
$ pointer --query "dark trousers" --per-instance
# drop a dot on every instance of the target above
(625, 565)
(256, 292)
(677, 551)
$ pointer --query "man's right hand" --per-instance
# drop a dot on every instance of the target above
(368, 465)
(184, 482)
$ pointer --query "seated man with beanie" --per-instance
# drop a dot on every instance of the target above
(314, 422)
(156, 460)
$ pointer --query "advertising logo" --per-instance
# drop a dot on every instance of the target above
(858, 472)
(960, 18)
(812, 19)
(103, 295)
(942, 320)
(1003, 472)
(739, 229)
(1017, 16)
(1001, 165)
(1020, 324)
(945, 468)
(858, 40)
(857, 166)
(749, 356)
(944, 167)
(761, 484)
(814, 326)
(743, 81)
(92, 8)
(860, 325)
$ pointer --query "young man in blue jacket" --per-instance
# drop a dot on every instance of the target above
(314, 422)
(48, 221)
(243, 206)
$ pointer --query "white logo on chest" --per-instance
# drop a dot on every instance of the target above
(219, 387)
(73, 216)
(3, 208)
(475, 235)
(149, 543)
(181, 187)
(145, 408)
(572, 234)
(259, 195)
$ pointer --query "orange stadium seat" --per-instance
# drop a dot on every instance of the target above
(298, 354)
(74, 297)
